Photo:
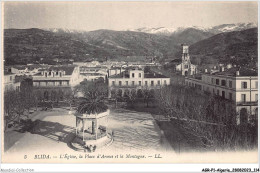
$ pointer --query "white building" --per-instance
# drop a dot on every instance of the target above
(186, 68)
(238, 85)
(56, 79)
(10, 83)
(134, 79)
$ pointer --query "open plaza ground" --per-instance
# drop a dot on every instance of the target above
(132, 132)
(136, 135)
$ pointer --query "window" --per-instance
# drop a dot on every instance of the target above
(140, 83)
(133, 83)
(49, 73)
(244, 85)
(186, 66)
(113, 83)
(145, 83)
(218, 92)
(120, 83)
(223, 94)
(133, 75)
(140, 75)
(158, 82)
(57, 73)
(152, 84)
(213, 91)
(256, 84)
(11, 78)
(223, 82)
(166, 83)
(60, 83)
(243, 97)
(46, 74)
(126, 83)
(217, 81)
(230, 84)
(256, 97)
(230, 96)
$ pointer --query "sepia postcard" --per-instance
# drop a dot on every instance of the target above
(130, 82)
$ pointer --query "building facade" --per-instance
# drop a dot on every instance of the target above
(56, 79)
(135, 79)
(186, 68)
(239, 86)
(10, 83)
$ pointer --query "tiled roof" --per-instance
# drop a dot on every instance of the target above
(242, 72)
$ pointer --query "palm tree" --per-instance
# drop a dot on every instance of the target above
(93, 103)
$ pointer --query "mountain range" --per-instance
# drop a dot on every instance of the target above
(32, 45)
(214, 29)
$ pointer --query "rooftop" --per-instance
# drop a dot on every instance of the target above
(243, 71)
(68, 69)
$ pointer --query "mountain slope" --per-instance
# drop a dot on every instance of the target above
(30, 45)
(214, 29)
(238, 47)
(23, 46)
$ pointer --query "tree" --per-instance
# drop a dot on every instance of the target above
(146, 96)
(9, 104)
(212, 119)
(131, 97)
(27, 93)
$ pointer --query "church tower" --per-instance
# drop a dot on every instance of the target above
(186, 64)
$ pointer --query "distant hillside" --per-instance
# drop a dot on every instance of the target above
(26, 45)
(188, 36)
(128, 43)
(22, 46)
(238, 47)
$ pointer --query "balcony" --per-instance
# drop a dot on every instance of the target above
(241, 103)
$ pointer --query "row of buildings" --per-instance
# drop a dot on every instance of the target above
(48, 80)
(239, 85)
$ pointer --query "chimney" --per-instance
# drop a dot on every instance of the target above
(237, 73)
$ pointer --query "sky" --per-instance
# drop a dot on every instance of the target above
(90, 16)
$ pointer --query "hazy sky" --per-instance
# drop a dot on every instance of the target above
(125, 15)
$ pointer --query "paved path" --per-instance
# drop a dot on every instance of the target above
(133, 132)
